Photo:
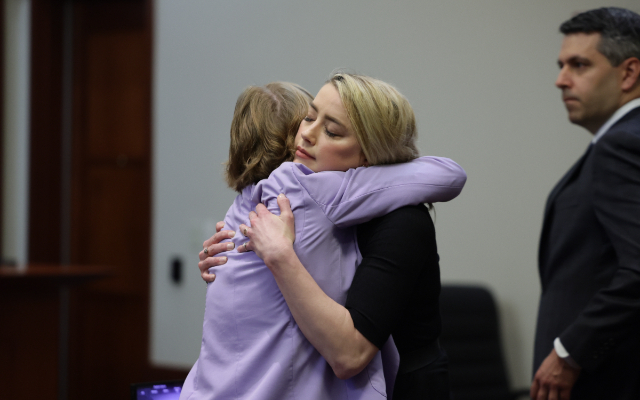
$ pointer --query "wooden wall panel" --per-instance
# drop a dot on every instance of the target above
(46, 132)
(111, 195)
(110, 190)
(118, 96)
(110, 350)
(29, 342)
(115, 228)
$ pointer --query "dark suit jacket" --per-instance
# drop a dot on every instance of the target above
(589, 261)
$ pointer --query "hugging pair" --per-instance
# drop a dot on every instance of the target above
(302, 310)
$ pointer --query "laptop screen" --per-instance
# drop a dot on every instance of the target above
(167, 390)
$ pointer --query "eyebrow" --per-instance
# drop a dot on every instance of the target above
(330, 118)
(573, 59)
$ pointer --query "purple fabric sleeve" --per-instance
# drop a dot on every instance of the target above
(358, 195)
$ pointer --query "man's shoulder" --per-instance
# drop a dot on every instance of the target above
(625, 133)
(629, 122)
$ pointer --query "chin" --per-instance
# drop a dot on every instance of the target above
(303, 162)
(575, 117)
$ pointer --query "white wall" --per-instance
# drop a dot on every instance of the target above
(480, 77)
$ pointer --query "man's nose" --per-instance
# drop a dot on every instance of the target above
(563, 79)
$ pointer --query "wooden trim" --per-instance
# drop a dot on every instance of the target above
(49, 275)
(45, 163)
(91, 20)
(165, 374)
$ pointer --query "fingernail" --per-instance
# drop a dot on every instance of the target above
(224, 260)
(281, 195)
(230, 246)
(232, 234)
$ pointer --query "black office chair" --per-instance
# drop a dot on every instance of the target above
(471, 337)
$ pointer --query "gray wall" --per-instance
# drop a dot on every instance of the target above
(480, 75)
(16, 130)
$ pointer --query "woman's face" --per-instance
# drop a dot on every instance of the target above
(325, 139)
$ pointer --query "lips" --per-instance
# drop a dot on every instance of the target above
(567, 97)
(302, 153)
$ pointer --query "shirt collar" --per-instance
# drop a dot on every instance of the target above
(621, 112)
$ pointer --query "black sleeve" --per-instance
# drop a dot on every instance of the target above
(397, 251)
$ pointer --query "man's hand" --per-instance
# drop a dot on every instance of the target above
(270, 235)
(213, 247)
(554, 379)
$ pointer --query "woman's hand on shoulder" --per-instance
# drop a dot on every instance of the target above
(270, 236)
(210, 248)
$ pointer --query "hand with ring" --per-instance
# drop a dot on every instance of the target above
(211, 247)
(269, 234)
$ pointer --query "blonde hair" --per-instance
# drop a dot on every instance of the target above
(263, 131)
(382, 118)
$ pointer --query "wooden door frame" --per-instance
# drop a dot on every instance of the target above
(45, 145)
(49, 195)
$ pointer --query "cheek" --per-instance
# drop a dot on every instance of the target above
(347, 155)
(354, 149)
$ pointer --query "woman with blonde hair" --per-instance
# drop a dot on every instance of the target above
(354, 121)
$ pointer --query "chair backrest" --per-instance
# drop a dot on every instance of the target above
(471, 337)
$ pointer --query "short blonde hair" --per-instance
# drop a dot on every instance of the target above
(382, 118)
(263, 131)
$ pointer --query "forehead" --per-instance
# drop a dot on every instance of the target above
(328, 102)
(328, 96)
(582, 45)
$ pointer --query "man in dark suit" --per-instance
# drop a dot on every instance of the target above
(588, 333)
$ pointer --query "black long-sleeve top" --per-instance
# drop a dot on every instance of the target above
(396, 287)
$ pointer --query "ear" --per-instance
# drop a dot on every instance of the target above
(630, 74)
(363, 161)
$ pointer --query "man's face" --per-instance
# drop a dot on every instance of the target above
(591, 86)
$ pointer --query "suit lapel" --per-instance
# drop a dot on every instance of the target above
(578, 165)
(568, 177)
(565, 180)
(575, 169)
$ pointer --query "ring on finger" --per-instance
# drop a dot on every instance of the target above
(245, 231)
(245, 246)
(206, 250)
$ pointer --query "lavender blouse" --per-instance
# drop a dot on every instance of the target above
(251, 346)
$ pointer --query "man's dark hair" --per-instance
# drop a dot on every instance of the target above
(619, 29)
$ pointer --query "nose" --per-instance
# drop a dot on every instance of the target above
(563, 80)
(308, 131)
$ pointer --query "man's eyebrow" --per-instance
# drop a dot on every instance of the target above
(330, 118)
(574, 59)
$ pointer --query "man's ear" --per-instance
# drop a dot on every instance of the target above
(631, 74)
